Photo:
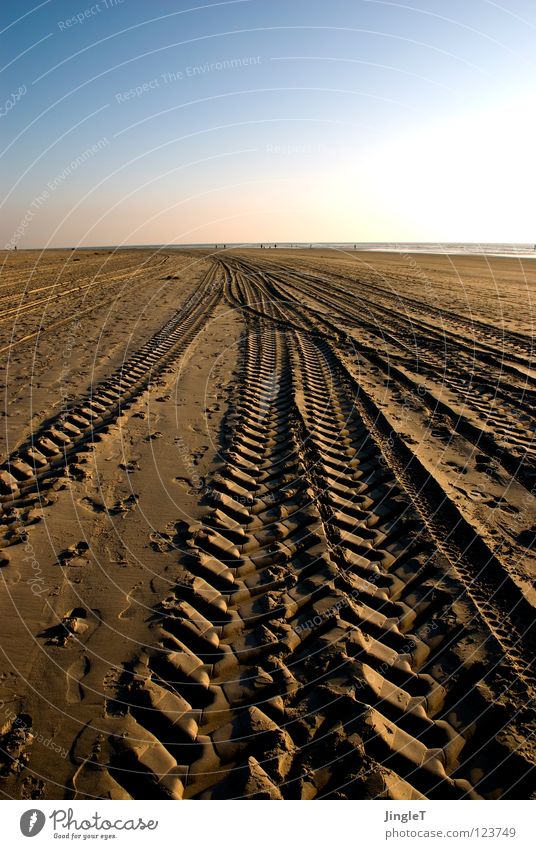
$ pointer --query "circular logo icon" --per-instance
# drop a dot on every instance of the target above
(31, 822)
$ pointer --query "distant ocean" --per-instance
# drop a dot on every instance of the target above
(506, 249)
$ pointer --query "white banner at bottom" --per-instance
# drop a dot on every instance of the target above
(231, 825)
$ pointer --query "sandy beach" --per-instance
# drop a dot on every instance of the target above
(267, 525)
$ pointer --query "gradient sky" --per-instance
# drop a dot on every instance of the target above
(338, 120)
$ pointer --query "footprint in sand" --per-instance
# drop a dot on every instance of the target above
(475, 495)
(78, 472)
(32, 788)
(74, 555)
(133, 603)
(502, 504)
(157, 434)
(491, 501)
(91, 778)
(185, 482)
(527, 537)
(12, 577)
(124, 505)
(130, 466)
(76, 672)
(72, 625)
(161, 541)
(9, 575)
(89, 782)
(16, 737)
(91, 504)
(199, 454)
(112, 679)
(461, 470)
(188, 484)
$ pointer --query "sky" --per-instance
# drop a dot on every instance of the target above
(133, 122)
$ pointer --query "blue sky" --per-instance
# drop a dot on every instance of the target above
(133, 122)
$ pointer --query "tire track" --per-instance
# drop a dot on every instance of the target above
(513, 344)
(507, 410)
(317, 644)
(461, 543)
(52, 446)
(101, 277)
